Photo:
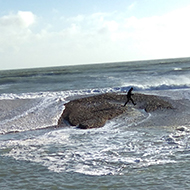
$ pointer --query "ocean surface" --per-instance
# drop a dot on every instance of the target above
(141, 151)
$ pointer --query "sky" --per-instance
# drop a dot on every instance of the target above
(44, 33)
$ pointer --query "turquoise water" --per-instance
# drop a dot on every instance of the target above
(141, 151)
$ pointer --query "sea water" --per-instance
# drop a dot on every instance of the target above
(140, 151)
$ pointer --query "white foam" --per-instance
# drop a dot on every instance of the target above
(160, 83)
(110, 150)
(177, 69)
(44, 109)
(61, 94)
(105, 151)
(29, 115)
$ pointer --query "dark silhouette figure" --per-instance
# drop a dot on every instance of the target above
(129, 94)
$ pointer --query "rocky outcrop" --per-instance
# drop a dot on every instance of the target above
(94, 111)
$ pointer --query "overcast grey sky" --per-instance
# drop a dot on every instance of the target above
(46, 33)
